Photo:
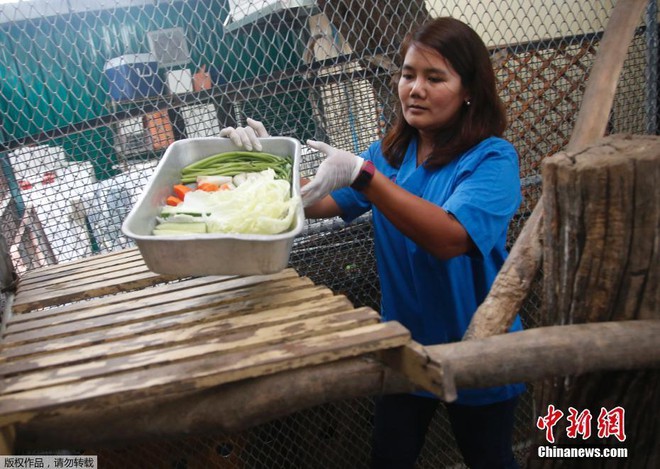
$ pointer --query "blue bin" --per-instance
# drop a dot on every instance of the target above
(133, 76)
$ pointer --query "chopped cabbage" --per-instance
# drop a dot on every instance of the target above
(261, 204)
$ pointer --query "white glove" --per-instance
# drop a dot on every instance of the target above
(246, 137)
(339, 169)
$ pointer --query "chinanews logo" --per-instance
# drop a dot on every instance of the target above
(581, 426)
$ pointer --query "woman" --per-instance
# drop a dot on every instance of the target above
(442, 187)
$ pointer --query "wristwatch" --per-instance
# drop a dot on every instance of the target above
(364, 176)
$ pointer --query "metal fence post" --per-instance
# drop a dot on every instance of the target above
(14, 190)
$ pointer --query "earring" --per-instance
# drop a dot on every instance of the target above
(468, 102)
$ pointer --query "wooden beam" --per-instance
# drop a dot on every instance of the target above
(596, 105)
(551, 351)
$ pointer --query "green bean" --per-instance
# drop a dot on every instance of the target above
(233, 156)
(236, 162)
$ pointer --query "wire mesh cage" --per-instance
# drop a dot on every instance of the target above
(75, 156)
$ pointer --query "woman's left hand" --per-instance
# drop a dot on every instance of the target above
(338, 170)
(246, 137)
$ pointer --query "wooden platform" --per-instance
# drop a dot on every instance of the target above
(103, 331)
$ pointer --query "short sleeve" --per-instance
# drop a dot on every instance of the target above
(351, 202)
(487, 193)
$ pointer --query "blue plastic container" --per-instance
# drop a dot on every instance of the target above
(133, 76)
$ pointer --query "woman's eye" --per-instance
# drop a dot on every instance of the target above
(407, 76)
(435, 79)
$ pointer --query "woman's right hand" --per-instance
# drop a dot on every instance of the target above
(246, 137)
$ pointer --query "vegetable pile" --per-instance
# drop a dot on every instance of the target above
(232, 192)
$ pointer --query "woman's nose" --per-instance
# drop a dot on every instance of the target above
(417, 88)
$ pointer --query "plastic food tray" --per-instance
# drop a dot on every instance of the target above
(212, 253)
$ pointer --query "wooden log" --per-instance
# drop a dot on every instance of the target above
(596, 104)
(602, 208)
(602, 263)
(533, 354)
(511, 286)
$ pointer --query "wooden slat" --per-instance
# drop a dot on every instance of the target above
(195, 292)
(212, 370)
(75, 281)
(178, 333)
(81, 278)
(231, 342)
(104, 287)
(89, 307)
(137, 321)
(81, 270)
(88, 262)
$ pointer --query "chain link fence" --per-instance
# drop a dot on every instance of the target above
(92, 93)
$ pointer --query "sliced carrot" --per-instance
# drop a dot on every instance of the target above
(207, 187)
(225, 187)
(180, 190)
(174, 201)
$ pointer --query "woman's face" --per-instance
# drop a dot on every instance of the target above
(430, 90)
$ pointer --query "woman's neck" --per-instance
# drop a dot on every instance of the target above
(426, 142)
(429, 141)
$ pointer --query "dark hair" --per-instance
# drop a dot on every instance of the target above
(483, 118)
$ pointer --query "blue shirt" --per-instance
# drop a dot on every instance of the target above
(435, 299)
